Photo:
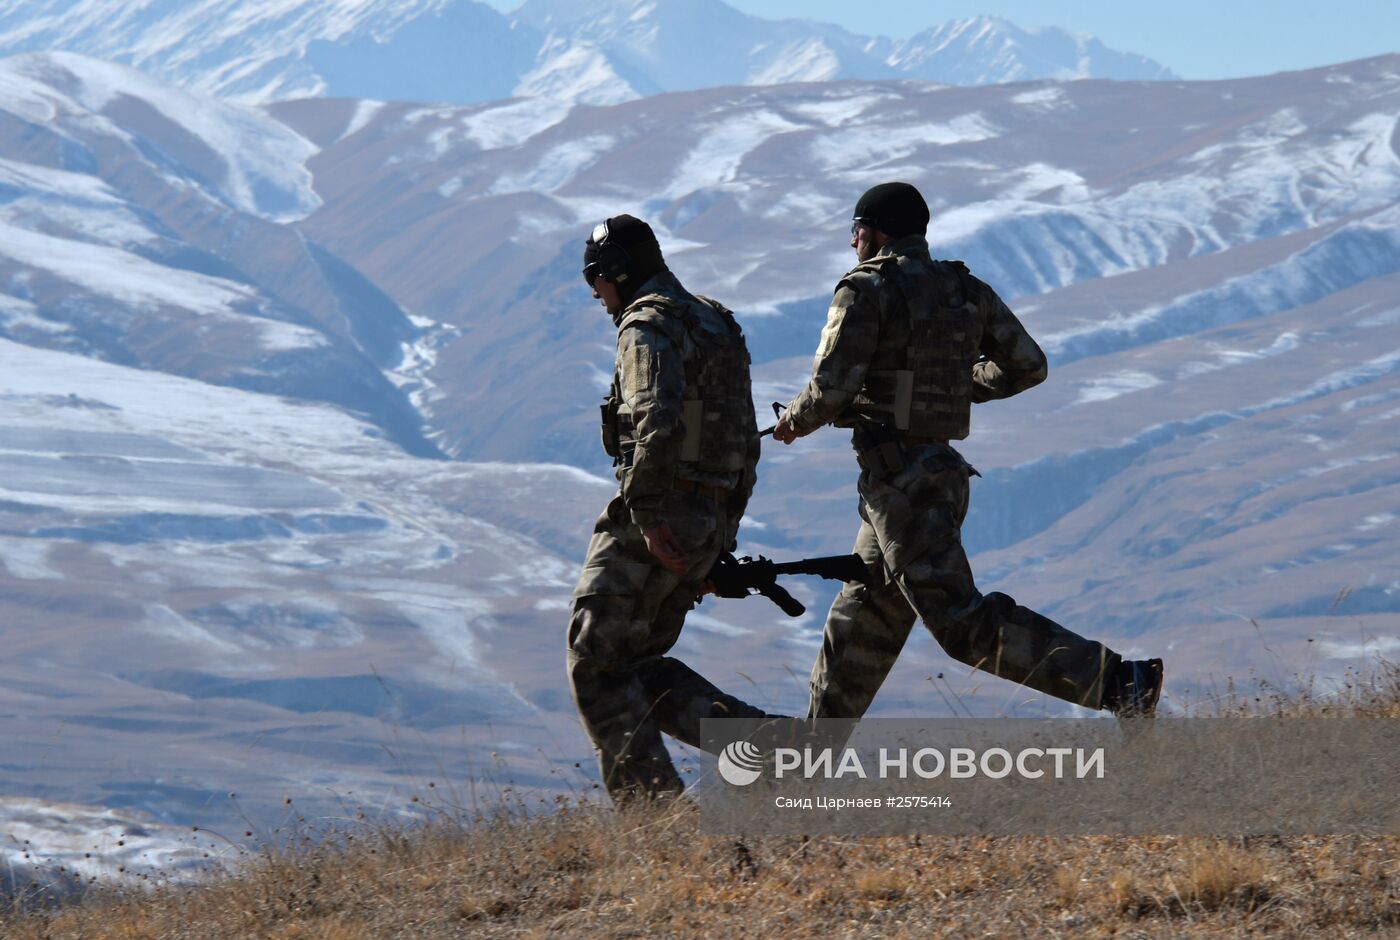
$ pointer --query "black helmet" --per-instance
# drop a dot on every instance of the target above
(897, 209)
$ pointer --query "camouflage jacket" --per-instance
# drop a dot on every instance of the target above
(657, 359)
(869, 322)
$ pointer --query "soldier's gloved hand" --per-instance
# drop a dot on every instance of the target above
(661, 542)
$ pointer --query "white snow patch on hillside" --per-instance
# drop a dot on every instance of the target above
(16, 313)
(721, 147)
(131, 280)
(110, 224)
(836, 110)
(858, 149)
(120, 275)
(1225, 358)
(265, 160)
(218, 420)
(574, 71)
(1341, 380)
(1106, 387)
(27, 559)
(1046, 99)
(804, 60)
(1026, 191)
(35, 180)
(163, 622)
(557, 167)
(514, 122)
(114, 845)
(1376, 521)
(365, 111)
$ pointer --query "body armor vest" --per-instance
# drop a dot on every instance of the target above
(717, 408)
(926, 386)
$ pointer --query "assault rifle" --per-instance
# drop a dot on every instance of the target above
(745, 576)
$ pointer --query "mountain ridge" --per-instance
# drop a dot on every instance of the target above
(462, 51)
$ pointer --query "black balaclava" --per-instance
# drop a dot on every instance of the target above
(643, 253)
(897, 209)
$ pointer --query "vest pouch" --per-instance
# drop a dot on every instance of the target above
(608, 428)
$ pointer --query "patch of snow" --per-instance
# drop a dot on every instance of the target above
(1043, 99)
(1376, 521)
(365, 111)
(721, 147)
(120, 275)
(1225, 358)
(1107, 387)
(556, 167)
(804, 60)
(26, 559)
(835, 109)
(86, 841)
(859, 149)
(575, 71)
(514, 122)
(265, 160)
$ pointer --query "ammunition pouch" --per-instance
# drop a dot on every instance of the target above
(878, 450)
(619, 442)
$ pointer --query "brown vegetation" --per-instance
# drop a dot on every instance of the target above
(581, 870)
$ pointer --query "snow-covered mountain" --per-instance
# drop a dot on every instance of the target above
(146, 225)
(235, 342)
(464, 51)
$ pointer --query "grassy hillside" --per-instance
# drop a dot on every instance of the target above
(580, 870)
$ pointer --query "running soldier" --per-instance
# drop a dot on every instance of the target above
(910, 344)
(679, 425)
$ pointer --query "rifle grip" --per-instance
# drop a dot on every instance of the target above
(779, 595)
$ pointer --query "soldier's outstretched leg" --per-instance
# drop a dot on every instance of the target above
(917, 517)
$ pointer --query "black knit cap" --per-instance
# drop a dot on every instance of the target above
(897, 209)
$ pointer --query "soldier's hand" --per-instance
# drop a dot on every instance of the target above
(661, 542)
(784, 431)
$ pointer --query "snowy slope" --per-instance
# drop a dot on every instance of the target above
(464, 51)
(188, 573)
(146, 225)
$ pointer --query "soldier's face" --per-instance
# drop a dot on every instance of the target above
(863, 240)
(606, 292)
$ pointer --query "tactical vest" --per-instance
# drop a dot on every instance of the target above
(717, 407)
(925, 387)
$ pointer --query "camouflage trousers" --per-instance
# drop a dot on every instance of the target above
(910, 537)
(628, 612)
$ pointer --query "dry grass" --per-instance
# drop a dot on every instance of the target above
(584, 871)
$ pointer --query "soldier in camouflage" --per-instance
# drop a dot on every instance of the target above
(679, 424)
(909, 345)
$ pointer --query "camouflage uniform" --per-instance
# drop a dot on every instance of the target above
(899, 363)
(680, 424)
